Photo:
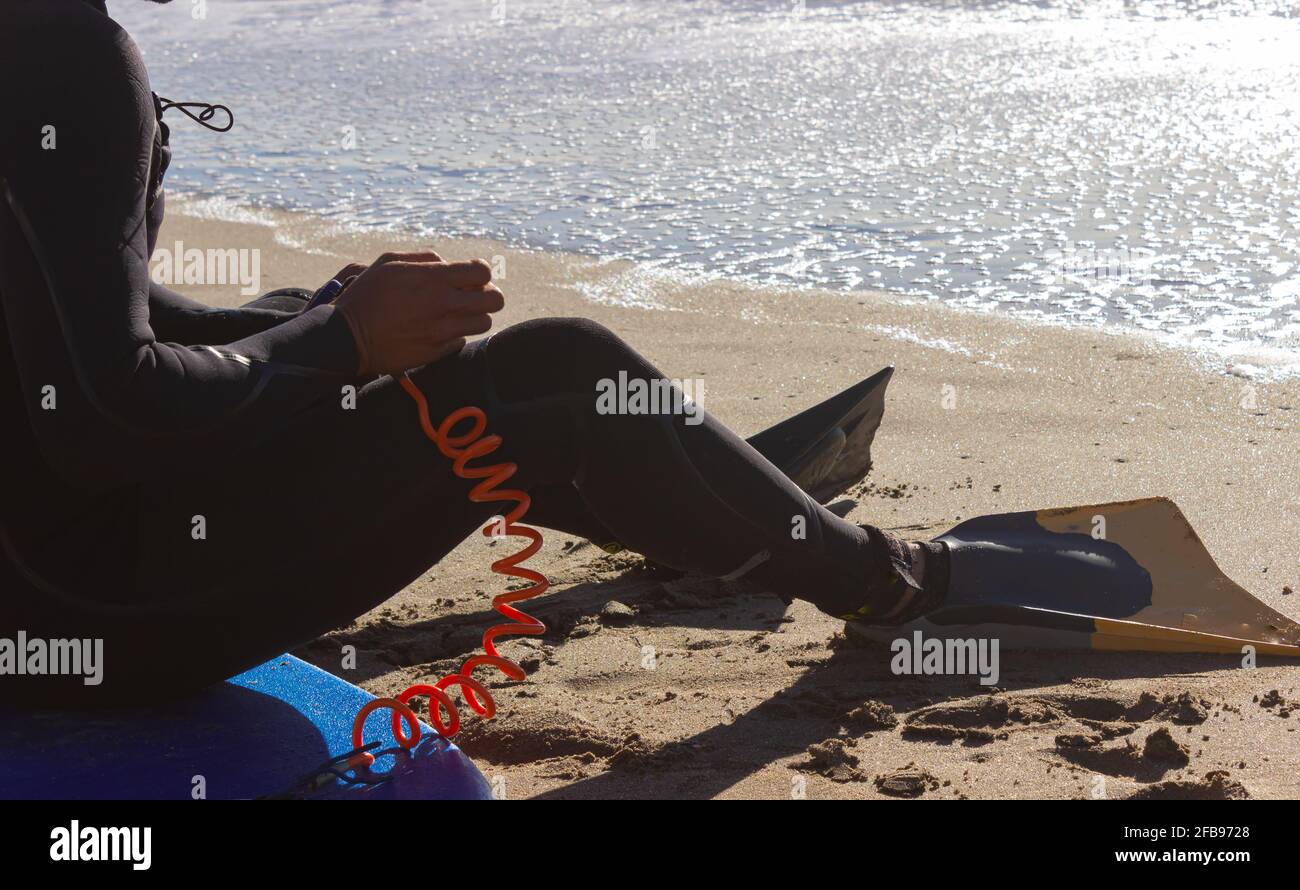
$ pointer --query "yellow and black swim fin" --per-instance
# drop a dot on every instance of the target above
(1131, 575)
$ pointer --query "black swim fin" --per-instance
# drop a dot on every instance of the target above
(827, 448)
(1131, 575)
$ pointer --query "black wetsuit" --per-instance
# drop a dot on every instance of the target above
(130, 411)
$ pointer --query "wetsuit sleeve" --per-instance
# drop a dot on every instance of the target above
(129, 406)
(178, 319)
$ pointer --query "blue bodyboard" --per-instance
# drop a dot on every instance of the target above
(264, 733)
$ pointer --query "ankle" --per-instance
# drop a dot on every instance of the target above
(931, 568)
(918, 553)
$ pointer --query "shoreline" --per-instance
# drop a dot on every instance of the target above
(750, 697)
(1249, 361)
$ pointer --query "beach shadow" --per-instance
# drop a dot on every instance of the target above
(806, 713)
(694, 602)
(818, 705)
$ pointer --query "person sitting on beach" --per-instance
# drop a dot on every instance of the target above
(203, 488)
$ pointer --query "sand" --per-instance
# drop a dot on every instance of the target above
(647, 687)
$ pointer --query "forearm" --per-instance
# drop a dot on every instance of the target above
(178, 319)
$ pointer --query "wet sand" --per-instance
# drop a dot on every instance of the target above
(700, 688)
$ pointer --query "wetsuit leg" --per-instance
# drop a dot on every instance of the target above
(691, 495)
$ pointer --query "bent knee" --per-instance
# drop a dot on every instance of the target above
(573, 331)
(559, 354)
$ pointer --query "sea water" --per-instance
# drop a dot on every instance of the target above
(1128, 164)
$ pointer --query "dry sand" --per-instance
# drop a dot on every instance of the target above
(746, 697)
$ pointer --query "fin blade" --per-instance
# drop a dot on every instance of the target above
(1136, 569)
(797, 444)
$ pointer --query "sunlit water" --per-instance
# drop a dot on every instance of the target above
(1129, 164)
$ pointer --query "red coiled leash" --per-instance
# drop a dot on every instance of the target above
(460, 450)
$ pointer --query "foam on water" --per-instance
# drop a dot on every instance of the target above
(1123, 163)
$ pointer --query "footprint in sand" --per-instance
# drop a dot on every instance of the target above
(995, 717)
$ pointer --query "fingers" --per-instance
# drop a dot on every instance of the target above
(470, 274)
(477, 301)
(474, 273)
(428, 269)
(419, 256)
(458, 287)
(351, 270)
